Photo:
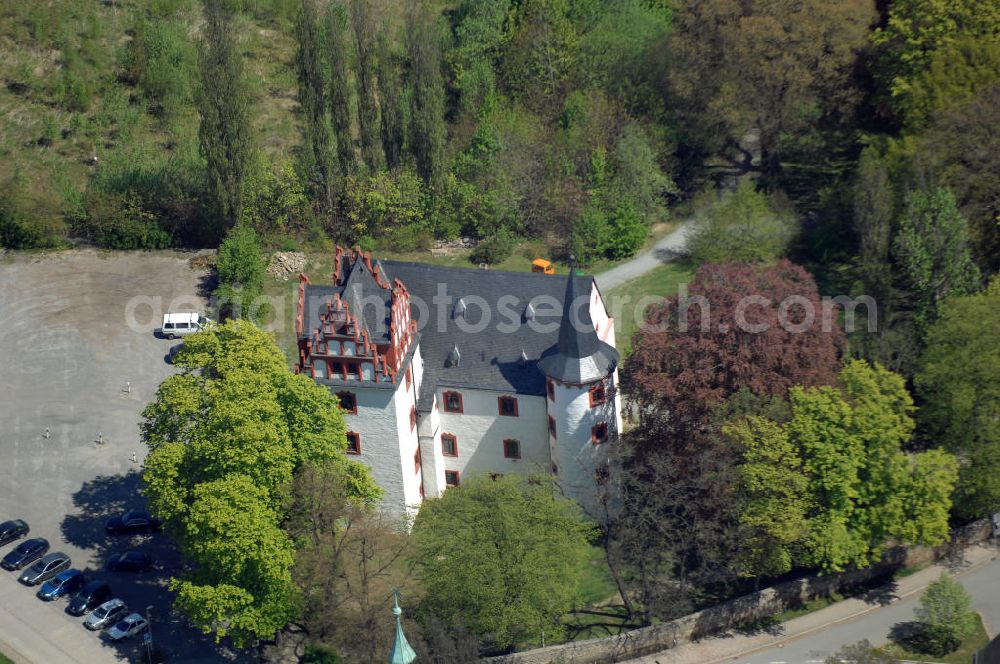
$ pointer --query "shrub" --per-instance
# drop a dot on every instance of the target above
(241, 268)
(494, 249)
(119, 221)
(745, 226)
(319, 654)
(946, 613)
(590, 235)
(386, 205)
(627, 232)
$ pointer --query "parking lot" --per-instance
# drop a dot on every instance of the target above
(70, 364)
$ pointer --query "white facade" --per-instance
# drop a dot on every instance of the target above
(472, 402)
(389, 445)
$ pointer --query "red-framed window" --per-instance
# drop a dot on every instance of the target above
(512, 448)
(453, 402)
(451, 477)
(598, 394)
(550, 389)
(449, 445)
(353, 443)
(507, 406)
(413, 417)
(409, 377)
(599, 433)
(552, 426)
(349, 402)
(416, 460)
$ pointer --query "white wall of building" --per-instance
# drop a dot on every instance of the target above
(481, 430)
(573, 450)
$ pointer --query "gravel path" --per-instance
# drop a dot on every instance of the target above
(665, 250)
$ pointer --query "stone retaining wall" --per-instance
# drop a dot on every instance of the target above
(742, 610)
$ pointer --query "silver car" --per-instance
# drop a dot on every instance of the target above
(126, 627)
(45, 569)
(106, 614)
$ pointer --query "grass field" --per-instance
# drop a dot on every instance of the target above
(627, 302)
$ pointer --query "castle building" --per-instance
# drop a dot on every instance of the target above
(445, 373)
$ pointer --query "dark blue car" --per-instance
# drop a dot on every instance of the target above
(26, 552)
(62, 584)
(130, 561)
(131, 523)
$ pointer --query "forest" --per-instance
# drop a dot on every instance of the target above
(816, 148)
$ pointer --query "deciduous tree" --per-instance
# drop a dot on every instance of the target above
(224, 104)
(226, 437)
(341, 105)
(931, 247)
(312, 98)
(502, 554)
(960, 395)
(743, 226)
(365, 29)
(778, 67)
(427, 128)
(696, 351)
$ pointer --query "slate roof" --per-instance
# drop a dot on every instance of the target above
(504, 355)
(580, 356)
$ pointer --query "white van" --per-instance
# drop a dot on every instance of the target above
(179, 325)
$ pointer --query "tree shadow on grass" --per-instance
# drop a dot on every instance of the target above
(106, 496)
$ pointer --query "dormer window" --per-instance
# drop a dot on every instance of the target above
(353, 443)
(349, 348)
(349, 402)
(507, 406)
(453, 402)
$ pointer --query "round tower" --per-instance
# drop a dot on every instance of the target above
(584, 417)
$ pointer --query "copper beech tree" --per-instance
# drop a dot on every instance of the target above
(752, 327)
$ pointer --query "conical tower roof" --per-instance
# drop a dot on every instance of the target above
(401, 652)
(580, 356)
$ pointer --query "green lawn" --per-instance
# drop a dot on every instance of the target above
(976, 642)
(627, 305)
(4, 659)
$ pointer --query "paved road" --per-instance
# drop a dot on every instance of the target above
(983, 584)
(811, 638)
(66, 355)
(664, 251)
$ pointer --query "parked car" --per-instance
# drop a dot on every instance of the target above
(106, 614)
(130, 561)
(45, 568)
(172, 353)
(131, 523)
(181, 324)
(12, 530)
(26, 552)
(62, 584)
(92, 595)
(127, 627)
